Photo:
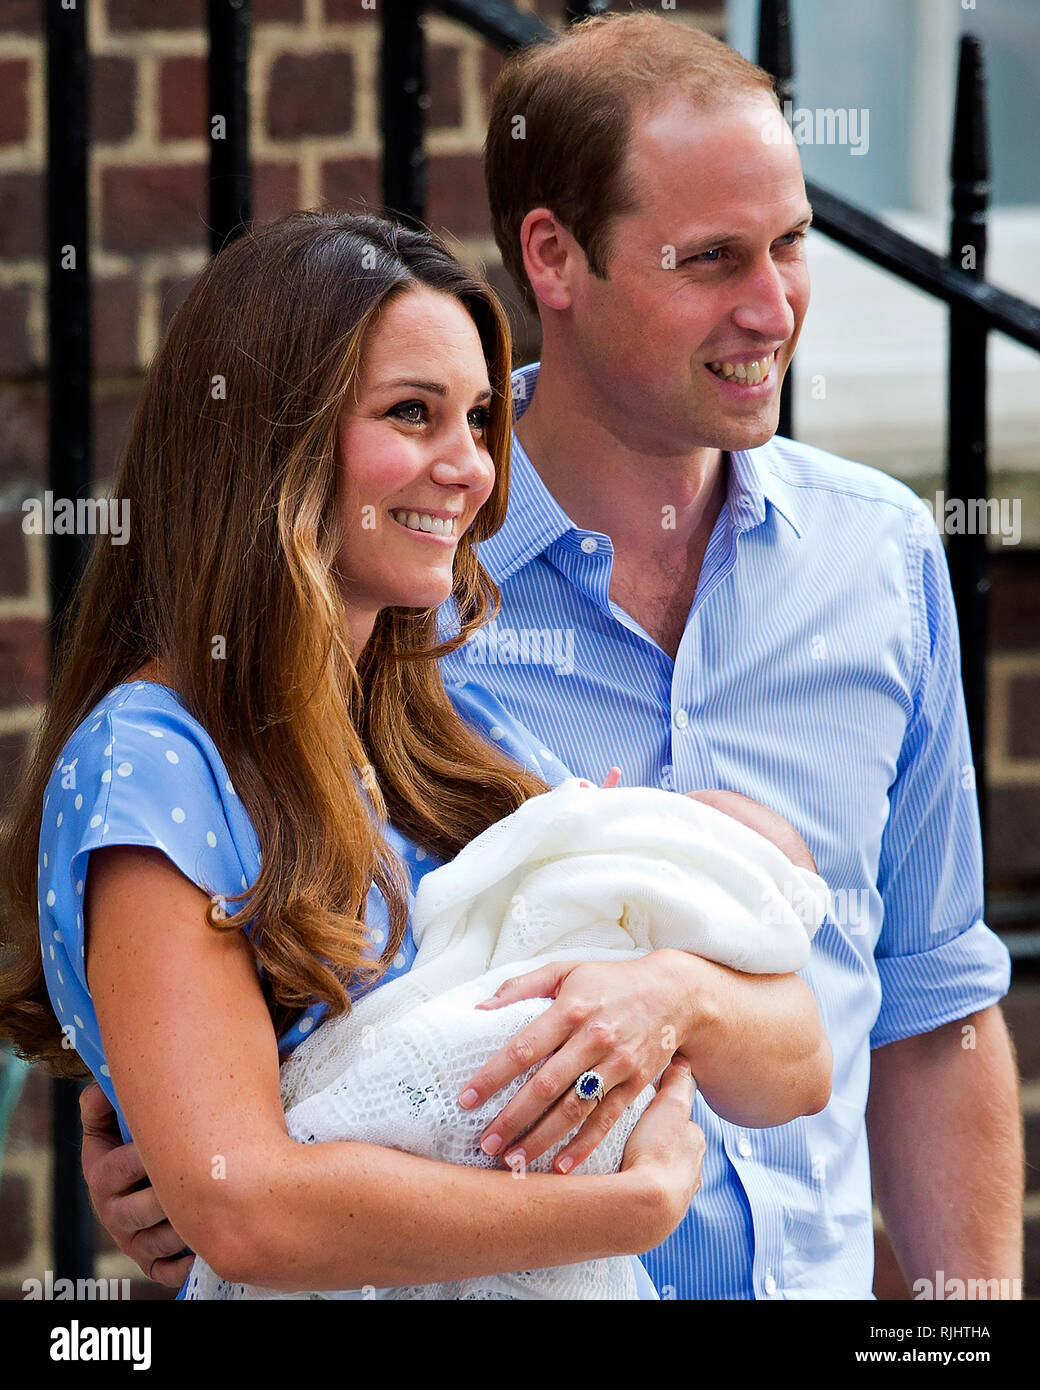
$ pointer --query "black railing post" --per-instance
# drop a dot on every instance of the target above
(967, 465)
(229, 193)
(68, 327)
(403, 101)
(774, 54)
(582, 9)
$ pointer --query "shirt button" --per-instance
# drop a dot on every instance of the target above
(744, 1146)
(590, 545)
(769, 1284)
(681, 719)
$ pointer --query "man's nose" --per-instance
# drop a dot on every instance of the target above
(763, 304)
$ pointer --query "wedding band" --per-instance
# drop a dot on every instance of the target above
(589, 1086)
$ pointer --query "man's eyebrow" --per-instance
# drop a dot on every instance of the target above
(436, 388)
(710, 241)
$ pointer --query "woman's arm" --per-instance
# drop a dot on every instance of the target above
(194, 1061)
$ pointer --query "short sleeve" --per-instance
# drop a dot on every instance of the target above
(936, 958)
(486, 714)
(138, 771)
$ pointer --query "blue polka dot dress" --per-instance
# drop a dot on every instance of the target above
(139, 770)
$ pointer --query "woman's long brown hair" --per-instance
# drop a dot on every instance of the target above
(235, 530)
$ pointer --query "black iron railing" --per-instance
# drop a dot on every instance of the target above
(976, 308)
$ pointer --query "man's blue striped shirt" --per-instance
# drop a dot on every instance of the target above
(819, 673)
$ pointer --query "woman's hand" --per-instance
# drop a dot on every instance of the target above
(666, 1146)
(623, 1019)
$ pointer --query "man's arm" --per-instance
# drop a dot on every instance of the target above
(946, 1151)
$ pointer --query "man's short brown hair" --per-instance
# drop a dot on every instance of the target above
(578, 94)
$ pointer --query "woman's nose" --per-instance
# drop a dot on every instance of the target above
(464, 461)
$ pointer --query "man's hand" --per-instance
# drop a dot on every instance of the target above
(132, 1216)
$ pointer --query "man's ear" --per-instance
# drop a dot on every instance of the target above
(551, 258)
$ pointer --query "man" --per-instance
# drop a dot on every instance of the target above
(705, 606)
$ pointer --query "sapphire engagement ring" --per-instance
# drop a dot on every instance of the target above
(589, 1086)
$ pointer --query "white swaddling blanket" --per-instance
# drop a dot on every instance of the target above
(578, 873)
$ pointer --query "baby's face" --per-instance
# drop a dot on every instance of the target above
(762, 819)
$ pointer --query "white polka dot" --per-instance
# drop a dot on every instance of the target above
(94, 727)
(420, 854)
(95, 821)
(243, 881)
(106, 776)
(61, 817)
(52, 952)
(79, 885)
(211, 839)
(377, 935)
(47, 798)
(230, 788)
(78, 1021)
(104, 828)
(79, 920)
(177, 814)
(171, 756)
(125, 769)
(50, 897)
(399, 961)
(61, 978)
(61, 1007)
(108, 751)
(104, 1069)
(44, 861)
(497, 732)
(306, 1024)
(56, 935)
(546, 753)
(78, 803)
(156, 733)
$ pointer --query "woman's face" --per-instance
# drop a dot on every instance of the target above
(414, 453)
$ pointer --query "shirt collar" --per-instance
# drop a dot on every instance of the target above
(534, 519)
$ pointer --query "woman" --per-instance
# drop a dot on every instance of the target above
(248, 731)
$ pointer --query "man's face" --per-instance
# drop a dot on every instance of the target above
(709, 269)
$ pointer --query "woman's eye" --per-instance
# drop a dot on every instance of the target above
(480, 418)
(400, 411)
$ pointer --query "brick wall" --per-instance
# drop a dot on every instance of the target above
(314, 138)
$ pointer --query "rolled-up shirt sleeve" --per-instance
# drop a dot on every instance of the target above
(936, 958)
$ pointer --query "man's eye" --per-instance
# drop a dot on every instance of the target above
(702, 259)
(400, 412)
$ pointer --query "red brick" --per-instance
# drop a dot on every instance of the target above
(23, 431)
(443, 86)
(277, 10)
(491, 61)
(1015, 601)
(113, 90)
(116, 306)
(13, 571)
(20, 16)
(310, 94)
(888, 1277)
(14, 339)
(15, 1231)
(276, 189)
(156, 14)
(22, 214)
(112, 412)
(183, 98)
(1023, 726)
(1012, 844)
(154, 207)
(172, 294)
(457, 198)
(14, 104)
(348, 183)
(23, 661)
(340, 10)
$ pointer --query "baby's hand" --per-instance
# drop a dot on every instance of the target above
(612, 778)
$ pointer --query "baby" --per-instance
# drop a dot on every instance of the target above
(578, 873)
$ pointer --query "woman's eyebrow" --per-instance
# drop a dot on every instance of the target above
(436, 388)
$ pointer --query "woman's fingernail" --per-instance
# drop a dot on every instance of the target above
(468, 1098)
(564, 1165)
(491, 1144)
